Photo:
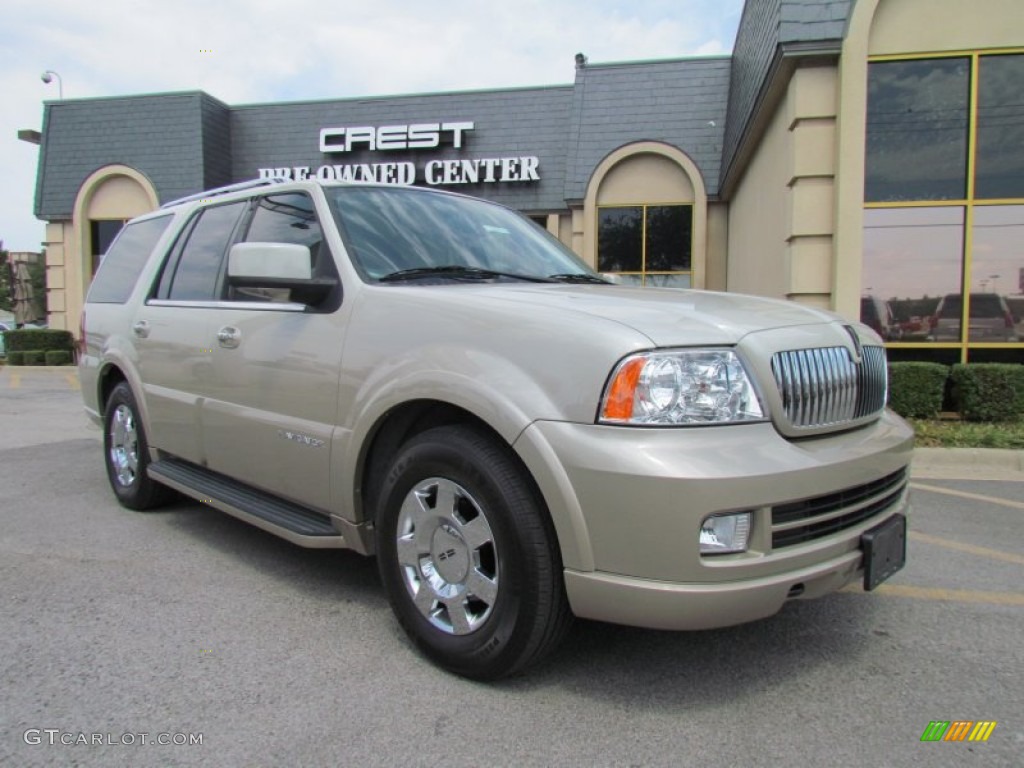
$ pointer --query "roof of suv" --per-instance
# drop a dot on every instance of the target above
(232, 190)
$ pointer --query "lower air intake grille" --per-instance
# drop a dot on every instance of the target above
(834, 512)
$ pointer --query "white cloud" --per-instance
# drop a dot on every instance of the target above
(246, 51)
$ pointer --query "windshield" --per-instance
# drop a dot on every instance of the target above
(393, 230)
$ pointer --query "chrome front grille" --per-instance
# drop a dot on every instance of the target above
(825, 387)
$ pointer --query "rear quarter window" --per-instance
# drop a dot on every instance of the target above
(123, 263)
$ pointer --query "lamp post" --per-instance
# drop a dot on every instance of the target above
(47, 77)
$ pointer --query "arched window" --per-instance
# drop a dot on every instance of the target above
(648, 208)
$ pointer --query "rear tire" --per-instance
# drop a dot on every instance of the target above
(126, 453)
(468, 555)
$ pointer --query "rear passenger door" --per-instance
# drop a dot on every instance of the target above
(269, 418)
(172, 331)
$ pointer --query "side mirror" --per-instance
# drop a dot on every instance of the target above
(278, 265)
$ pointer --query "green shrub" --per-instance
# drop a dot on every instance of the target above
(58, 357)
(33, 357)
(989, 391)
(15, 358)
(916, 389)
(26, 339)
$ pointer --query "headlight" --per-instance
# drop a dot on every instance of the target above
(698, 386)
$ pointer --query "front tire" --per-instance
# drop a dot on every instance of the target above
(468, 556)
(126, 452)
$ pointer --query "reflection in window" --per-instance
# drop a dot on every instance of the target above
(646, 244)
(912, 260)
(1000, 169)
(101, 235)
(285, 219)
(917, 130)
(124, 261)
(288, 218)
(196, 275)
(997, 273)
(946, 275)
(620, 239)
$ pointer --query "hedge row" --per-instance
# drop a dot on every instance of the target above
(39, 357)
(916, 390)
(978, 392)
(39, 346)
(26, 339)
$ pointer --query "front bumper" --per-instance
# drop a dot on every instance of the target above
(627, 505)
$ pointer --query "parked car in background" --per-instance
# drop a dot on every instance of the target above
(877, 315)
(990, 319)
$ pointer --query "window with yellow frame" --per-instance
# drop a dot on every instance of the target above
(943, 275)
(646, 244)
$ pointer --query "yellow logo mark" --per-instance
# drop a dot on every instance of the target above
(982, 730)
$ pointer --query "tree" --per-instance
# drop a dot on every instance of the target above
(37, 273)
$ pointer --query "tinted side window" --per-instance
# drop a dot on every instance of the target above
(195, 276)
(285, 219)
(288, 218)
(124, 261)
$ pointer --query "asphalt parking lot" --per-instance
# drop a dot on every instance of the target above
(185, 622)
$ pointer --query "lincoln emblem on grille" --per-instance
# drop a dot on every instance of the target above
(858, 352)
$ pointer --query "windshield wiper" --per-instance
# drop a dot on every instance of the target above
(578, 277)
(457, 272)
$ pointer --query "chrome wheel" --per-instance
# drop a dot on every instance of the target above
(124, 445)
(447, 556)
(468, 555)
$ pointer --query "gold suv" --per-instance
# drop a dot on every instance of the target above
(434, 380)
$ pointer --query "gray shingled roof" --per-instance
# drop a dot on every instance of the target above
(767, 26)
(166, 137)
(680, 102)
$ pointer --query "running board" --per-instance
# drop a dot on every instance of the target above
(275, 515)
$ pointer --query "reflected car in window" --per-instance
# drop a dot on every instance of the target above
(990, 319)
(877, 315)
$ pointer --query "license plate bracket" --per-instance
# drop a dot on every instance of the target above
(885, 550)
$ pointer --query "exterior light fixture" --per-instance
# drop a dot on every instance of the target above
(47, 77)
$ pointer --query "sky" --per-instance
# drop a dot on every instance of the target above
(258, 51)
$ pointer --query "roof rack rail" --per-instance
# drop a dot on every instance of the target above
(262, 182)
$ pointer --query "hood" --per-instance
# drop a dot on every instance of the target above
(667, 317)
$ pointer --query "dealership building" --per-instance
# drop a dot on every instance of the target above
(864, 156)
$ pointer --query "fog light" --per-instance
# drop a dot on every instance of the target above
(720, 534)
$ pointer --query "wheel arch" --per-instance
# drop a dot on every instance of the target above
(393, 429)
(112, 373)
(109, 377)
(403, 422)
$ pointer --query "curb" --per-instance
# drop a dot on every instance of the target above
(968, 463)
(50, 368)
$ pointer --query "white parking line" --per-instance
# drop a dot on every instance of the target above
(993, 554)
(965, 495)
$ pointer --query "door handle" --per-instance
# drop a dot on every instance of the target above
(229, 337)
(141, 329)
